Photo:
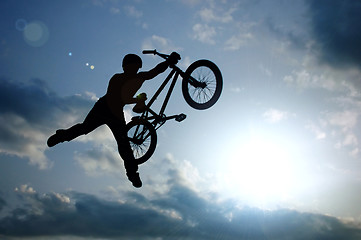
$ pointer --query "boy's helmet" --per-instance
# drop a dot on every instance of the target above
(132, 59)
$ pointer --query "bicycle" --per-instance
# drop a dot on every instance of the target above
(201, 87)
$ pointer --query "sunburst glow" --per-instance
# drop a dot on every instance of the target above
(260, 170)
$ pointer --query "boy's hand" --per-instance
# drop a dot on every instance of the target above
(142, 97)
(173, 58)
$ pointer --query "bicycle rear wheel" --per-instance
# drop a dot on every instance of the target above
(142, 138)
(207, 88)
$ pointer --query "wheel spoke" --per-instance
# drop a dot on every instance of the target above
(142, 140)
(203, 75)
(206, 87)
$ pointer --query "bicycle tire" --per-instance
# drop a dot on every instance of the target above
(142, 138)
(206, 72)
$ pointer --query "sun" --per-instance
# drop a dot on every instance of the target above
(260, 169)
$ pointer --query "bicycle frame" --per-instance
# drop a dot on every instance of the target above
(160, 118)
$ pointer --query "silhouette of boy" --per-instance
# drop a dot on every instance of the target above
(109, 110)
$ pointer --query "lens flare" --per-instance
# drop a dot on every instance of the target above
(36, 34)
(20, 24)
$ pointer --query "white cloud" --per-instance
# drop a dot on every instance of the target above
(114, 10)
(162, 44)
(319, 133)
(184, 172)
(216, 15)
(62, 198)
(313, 75)
(242, 37)
(304, 79)
(185, 62)
(346, 120)
(343, 102)
(133, 12)
(350, 139)
(217, 18)
(99, 2)
(101, 159)
(192, 3)
(274, 115)
(25, 189)
(354, 152)
(90, 95)
(204, 33)
(24, 140)
(343, 125)
(237, 41)
(101, 135)
(236, 89)
(265, 70)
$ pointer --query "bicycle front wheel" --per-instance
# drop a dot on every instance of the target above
(142, 138)
(203, 84)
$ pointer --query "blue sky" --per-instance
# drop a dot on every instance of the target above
(277, 157)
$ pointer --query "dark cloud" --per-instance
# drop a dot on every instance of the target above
(29, 113)
(181, 213)
(88, 216)
(29, 100)
(36, 102)
(296, 39)
(2, 203)
(336, 30)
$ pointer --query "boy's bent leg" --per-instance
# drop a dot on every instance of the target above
(118, 128)
(126, 153)
(130, 164)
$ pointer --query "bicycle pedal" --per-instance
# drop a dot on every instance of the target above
(180, 117)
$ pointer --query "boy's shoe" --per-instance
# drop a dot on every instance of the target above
(56, 138)
(135, 179)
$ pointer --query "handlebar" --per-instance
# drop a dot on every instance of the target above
(165, 56)
(150, 51)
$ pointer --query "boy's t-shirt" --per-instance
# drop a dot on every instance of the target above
(122, 87)
(120, 90)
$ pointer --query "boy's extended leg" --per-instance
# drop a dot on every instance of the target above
(94, 119)
(69, 134)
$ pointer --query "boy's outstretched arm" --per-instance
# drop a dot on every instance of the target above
(161, 67)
